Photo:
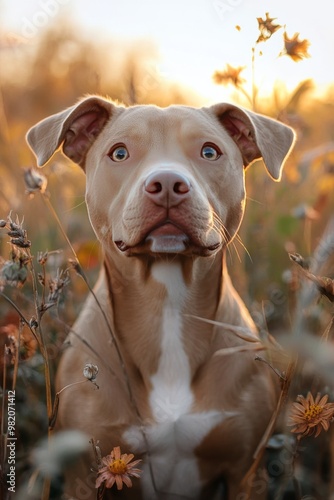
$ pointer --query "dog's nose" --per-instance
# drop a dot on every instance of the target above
(167, 188)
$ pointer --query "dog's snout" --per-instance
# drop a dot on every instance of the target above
(167, 187)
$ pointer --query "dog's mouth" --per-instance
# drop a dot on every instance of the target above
(167, 238)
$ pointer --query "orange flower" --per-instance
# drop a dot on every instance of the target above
(229, 75)
(117, 469)
(311, 415)
(267, 27)
(294, 48)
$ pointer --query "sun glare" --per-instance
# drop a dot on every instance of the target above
(194, 43)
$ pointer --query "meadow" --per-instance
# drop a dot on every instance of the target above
(282, 264)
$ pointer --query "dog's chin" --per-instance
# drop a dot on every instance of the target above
(167, 239)
(159, 245)
(174, 243)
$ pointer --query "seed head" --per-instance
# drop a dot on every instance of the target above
(90, 371)
(34, 181)
(42, 258)
(16, 232)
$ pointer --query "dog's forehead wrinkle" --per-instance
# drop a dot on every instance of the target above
(173, 122)
(170, 128)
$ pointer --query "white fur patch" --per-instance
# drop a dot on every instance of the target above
(171, 395)
(171, 459)
(171, 440)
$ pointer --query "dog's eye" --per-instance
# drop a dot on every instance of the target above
(210, 152)
(119, 153)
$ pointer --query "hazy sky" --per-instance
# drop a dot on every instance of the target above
(194, 38)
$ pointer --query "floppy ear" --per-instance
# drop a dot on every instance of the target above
(75, 129)
(257, 136)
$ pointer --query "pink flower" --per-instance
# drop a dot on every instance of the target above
(117, 469)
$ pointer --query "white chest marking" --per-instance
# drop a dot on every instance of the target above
(171, 395)
(176, 431)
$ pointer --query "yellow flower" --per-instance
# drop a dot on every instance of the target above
(311, 415)
(117, 469)
(294, 48)
(229, 75)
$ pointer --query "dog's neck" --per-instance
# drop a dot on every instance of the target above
(154, 303)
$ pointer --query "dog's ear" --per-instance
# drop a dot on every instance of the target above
(257, 136)
(75, 129)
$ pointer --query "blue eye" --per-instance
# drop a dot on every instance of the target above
(119, 153)
(210, 152)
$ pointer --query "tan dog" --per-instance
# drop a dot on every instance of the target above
(166, 195)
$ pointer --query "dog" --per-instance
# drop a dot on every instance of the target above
(166, 196)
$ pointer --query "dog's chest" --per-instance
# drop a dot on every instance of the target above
(171, 394)
(170, 440)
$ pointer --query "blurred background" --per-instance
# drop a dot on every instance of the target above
(165, 52)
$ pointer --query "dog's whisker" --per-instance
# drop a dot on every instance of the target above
(226, 237)
(253, 200)
(239, 240)
(224, 233)
(74, 207)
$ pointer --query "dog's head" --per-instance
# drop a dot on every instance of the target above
(163, 180)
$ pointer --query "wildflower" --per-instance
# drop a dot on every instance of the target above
(229, 75)
(311, 415)
(117, 469)
(294, 48)
(267, 27)
(34, 181)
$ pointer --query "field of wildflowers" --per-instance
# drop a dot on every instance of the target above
(282, 263)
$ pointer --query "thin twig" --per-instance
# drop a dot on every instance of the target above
(53, 418)
(23, 318)
(277, 372)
